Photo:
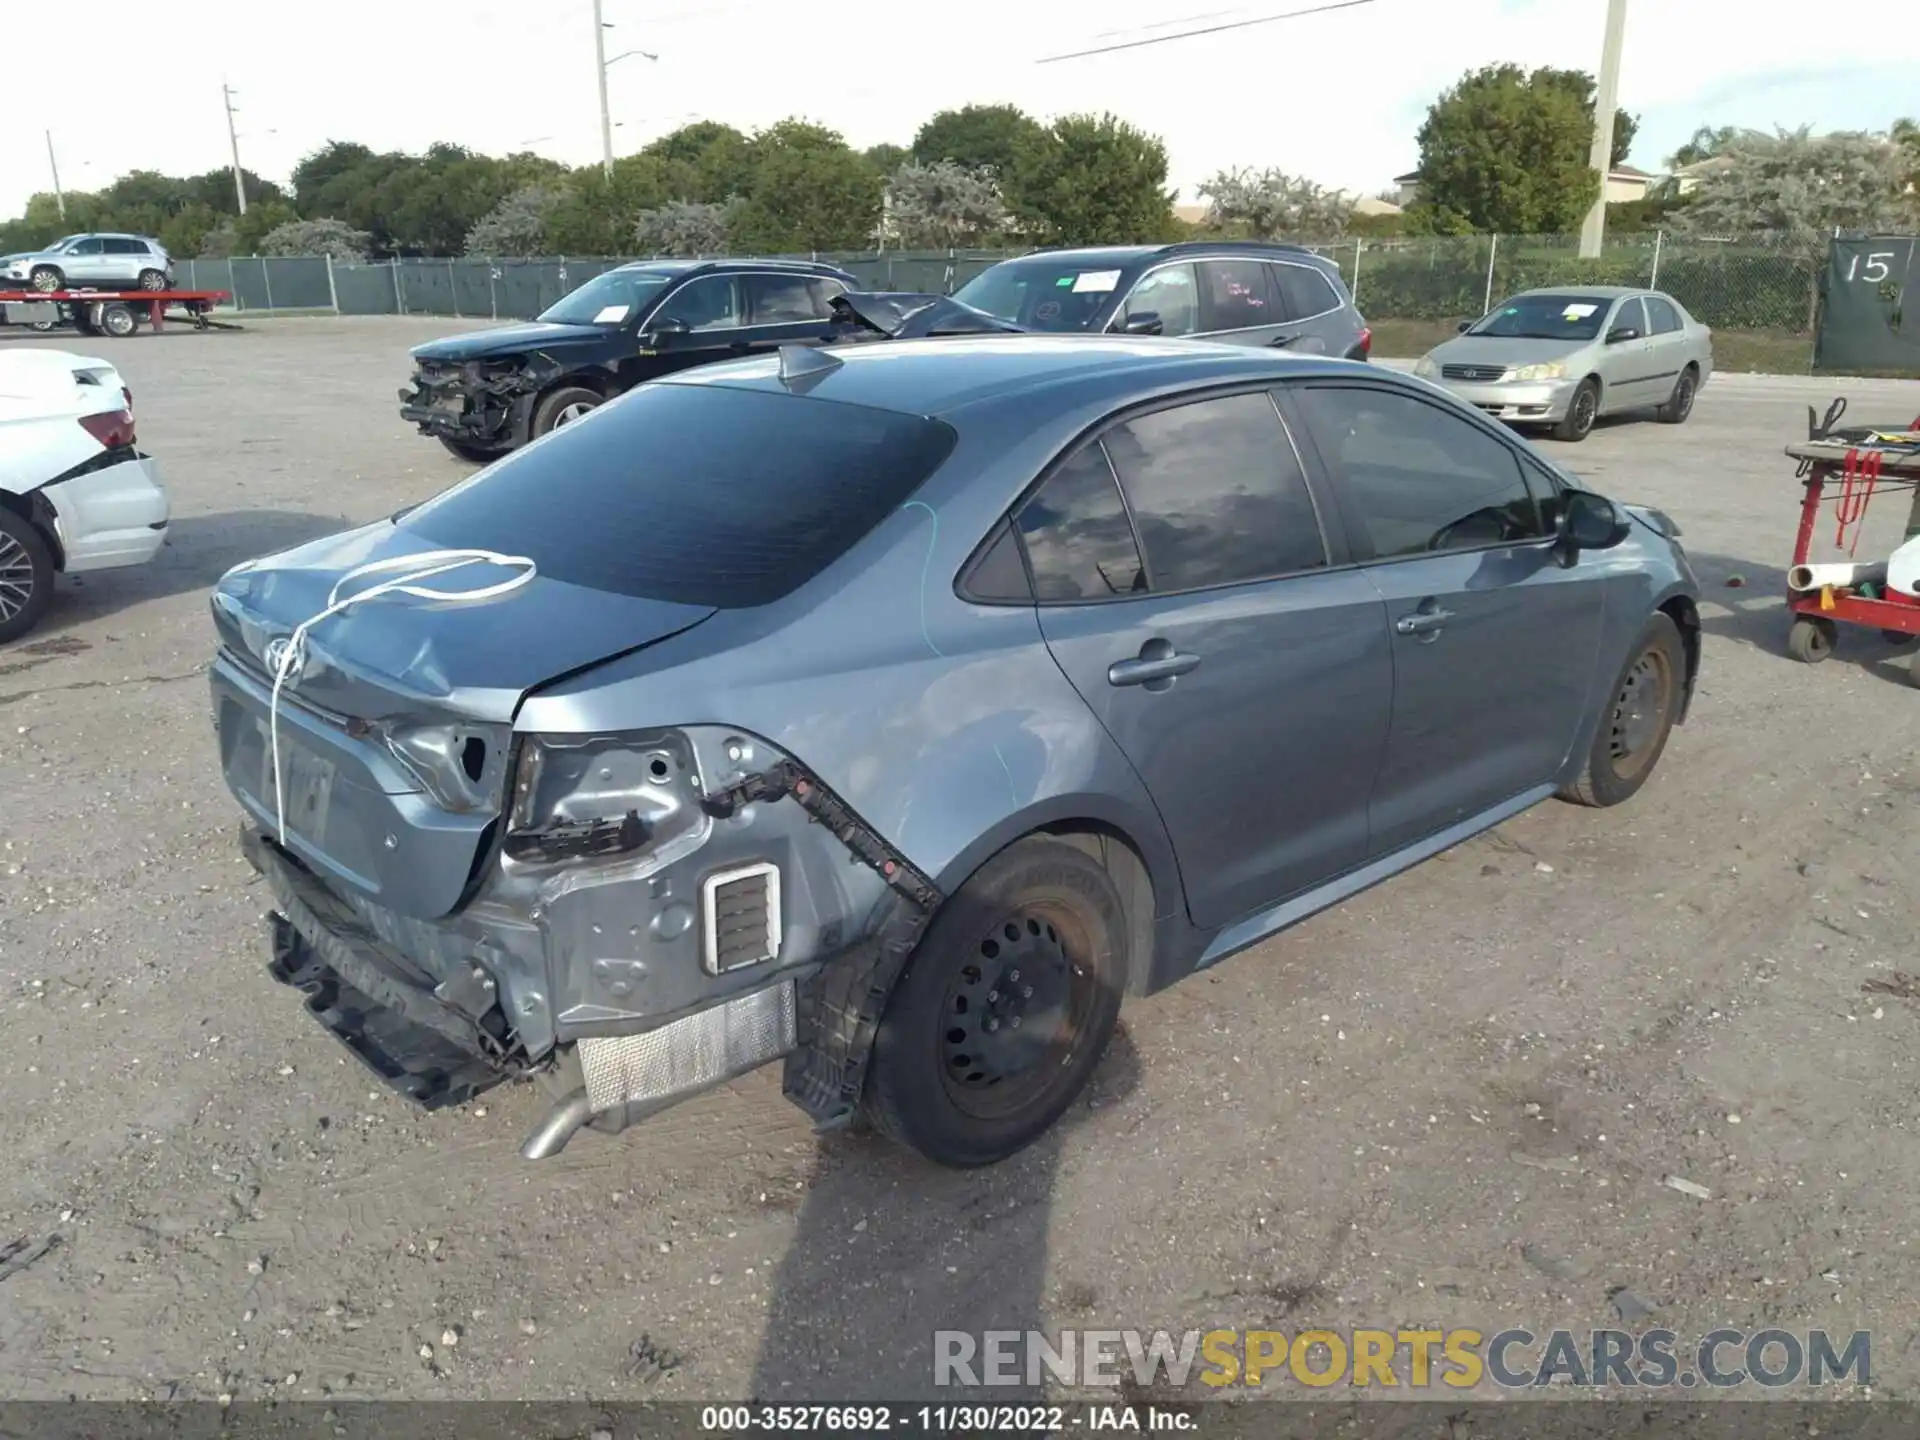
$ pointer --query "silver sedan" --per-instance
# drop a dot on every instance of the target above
(1566, 356)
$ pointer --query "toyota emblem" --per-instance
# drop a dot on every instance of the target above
(276, 656)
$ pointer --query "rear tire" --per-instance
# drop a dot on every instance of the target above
(1679, 405)
(152, 280)
(1582, 410)
(46, 279)
(566, 404)
(118, 321)
(1642, 709)
(26, 576)
(952, 1076)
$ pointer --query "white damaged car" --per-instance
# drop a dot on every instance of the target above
(76, 493)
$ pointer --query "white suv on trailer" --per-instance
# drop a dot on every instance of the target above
(93, 262)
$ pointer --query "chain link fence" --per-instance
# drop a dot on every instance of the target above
(1767, 283)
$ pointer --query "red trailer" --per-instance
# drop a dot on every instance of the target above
(114, 312)
(1851, 468)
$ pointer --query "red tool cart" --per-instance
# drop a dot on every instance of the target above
(111, 312)
(1850, 467)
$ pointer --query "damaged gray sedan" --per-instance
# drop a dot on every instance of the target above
(891, 712)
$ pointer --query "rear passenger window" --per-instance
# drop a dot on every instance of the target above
(1078, 538)
(1662, 316)
(1305, 291)
(1217, 493)
(1234, 295)
(1418, 479)
(781, 299)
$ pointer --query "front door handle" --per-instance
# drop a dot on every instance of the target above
(1422, 622)
(1157, 666)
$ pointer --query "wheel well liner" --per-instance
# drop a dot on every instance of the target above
(1686, 616)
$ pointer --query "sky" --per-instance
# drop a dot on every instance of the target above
(1337, 97)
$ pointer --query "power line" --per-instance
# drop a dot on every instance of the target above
(1207, 30)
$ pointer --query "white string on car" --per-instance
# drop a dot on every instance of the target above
(415, 569)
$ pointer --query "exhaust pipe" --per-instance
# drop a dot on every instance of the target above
(563, 1122)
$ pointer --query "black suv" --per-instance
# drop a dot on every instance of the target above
(486, 392)
(1241, 292)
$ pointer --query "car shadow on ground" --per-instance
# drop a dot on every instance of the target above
(891, 1249)
(1754, 612)
(199, 550)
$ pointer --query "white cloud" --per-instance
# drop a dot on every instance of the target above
(1336, 96)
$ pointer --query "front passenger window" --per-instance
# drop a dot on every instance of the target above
(709, 303)
(1169, 293)
(1417, 479)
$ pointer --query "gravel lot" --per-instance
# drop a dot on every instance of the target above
(1453, 1101)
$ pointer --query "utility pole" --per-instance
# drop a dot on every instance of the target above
(1593, 231)
(233, 142)
(600, 79)
(59, 195)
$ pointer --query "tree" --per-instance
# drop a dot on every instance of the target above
(1798, 182)
(682, 227)
(1091, 180)
(595, 213)
(517, 225)
(943, 204)
(316, 237)
(250, 230)
(977, 136)
(1505, 150)
(1273, 205)
(886, 159)
(808, 191)
(1706, 142)
(1580, 84)
(714, 161)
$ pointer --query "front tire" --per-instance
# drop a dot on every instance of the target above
(1004, 1009)
(1642, 709)
(1582, 410)
(46, 279)
(26, 576)
(476, 454)
(1679, 405)
(562, 407)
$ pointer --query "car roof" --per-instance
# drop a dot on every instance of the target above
(732, 265)
(1124, 255)
(1610, 292)
(942, 375)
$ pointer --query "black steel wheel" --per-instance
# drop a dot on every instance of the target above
(1004, 1009)
(1810, 638)
(26, 575)
(1679, 405)
(1642, 708)
(1582, 410)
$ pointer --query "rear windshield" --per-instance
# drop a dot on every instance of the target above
(695, 494)
(1546, 317)
(1042, 294)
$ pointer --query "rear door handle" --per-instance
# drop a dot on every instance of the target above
(1146, 671)
(1422, 622)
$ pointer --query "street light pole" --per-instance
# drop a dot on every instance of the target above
(233, 143)
(600, 79)
(1593, 230)
(59, 195)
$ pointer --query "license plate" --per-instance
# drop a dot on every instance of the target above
(306, 787)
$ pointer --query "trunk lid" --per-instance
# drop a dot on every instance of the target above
(395, 731)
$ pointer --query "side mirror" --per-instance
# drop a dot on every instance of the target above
(1591, 522)
(670, 325)
(1142, 322)
(1464, 326)
(1620, 333)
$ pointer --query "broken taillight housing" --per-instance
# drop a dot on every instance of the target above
(598, 797)
(1365, 345)
(112, 428)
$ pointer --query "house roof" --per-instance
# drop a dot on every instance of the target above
(1407, 178)
(1628, 172)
